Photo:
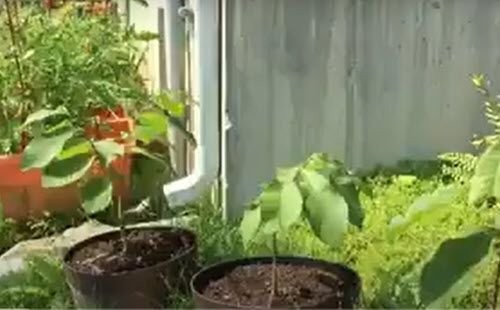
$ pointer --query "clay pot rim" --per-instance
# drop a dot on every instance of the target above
(188, 251)
(294, 260)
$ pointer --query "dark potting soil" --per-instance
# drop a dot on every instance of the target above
(298, 287)
(143, 248)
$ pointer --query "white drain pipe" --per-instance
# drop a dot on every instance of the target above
(205, 93)
(175, 55)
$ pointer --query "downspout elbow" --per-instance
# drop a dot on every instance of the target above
(189, 188)
(206, 108)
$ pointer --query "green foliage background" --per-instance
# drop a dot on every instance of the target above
(389, 267)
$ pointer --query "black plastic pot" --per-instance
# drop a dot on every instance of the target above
(141, 288)
(201, 280)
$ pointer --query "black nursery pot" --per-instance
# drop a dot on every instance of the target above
(351, 280)
(147, 287)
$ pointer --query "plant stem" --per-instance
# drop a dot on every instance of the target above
(15, 43)
(275, 269)
(122, 227)
(16, 15)
(497, 285)
(12, 31)
(274, 277)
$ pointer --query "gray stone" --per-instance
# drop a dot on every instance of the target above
(13, 259)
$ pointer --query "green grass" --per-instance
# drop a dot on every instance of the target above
(40, 286)
(12, 232)
(389, 267)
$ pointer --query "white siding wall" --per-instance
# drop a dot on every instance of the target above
(368, 81)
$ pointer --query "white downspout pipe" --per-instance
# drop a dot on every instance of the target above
(205, 109)
(174, 51)
(174, 44)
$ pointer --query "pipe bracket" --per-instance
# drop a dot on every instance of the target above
(186, 12)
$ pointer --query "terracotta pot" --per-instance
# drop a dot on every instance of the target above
(110, 124)
(22, 194)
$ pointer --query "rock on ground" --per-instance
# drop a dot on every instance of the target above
(13, 259)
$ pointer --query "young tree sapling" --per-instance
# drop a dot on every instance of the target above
(319, 190)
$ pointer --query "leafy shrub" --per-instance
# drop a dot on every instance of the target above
(12, 232)
(390, 264)
(217, 239)
(8, 235)
(320, 190)
(79, 63)
(449, 271)
(41, 285)
(58, 75)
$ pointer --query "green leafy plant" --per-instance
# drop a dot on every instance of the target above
(455, 257)
(68, 69)
(320, 190)
(82, 64)
(458, 167)
(66, 155)
(8, 234)
(426, 209)
(41, 284)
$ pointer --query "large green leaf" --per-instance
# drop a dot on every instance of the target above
(145, 134)
(345, 185)
(178, 124)
(75, 146)
(151, 126)
(458, 289)
(486, 180)
(282, 201)
(426, 208)
(314, 181)
(285, 175)
(142, 151)
(291, 205)
(250, 224)
(109, 150)
(156, 121)
(96, 195)
(42, 150)
(351, 196)
(327, 212)
(270, 227)
(63, 172)
(320, 162)
(43, 114)
(270, 200)
(453, 259)
(166, 102)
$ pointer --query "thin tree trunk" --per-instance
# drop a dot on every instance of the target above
(274, 277)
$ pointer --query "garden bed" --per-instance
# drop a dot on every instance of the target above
(385, 264)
